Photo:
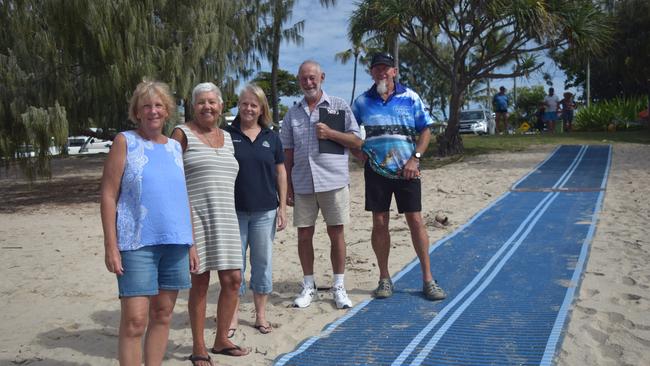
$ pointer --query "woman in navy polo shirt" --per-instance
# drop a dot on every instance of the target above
(260, 194)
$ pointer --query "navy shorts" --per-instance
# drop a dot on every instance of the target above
(149, 269)
(380, 190)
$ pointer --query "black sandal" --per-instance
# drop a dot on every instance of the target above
(197, 358)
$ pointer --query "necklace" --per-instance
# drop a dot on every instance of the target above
(208, 137)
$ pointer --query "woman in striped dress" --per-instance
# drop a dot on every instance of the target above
(210, 171)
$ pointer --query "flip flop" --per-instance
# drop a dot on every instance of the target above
(197, 358)
(231, 332)
(235, 351)
(264, 329)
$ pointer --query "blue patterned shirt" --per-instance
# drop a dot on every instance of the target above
(153, 207)
(391, 127)
(312, 171)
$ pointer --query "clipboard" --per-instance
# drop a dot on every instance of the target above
(334, 119)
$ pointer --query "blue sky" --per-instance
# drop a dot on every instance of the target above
(325, 34)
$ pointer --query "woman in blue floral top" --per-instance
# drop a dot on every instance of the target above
(147, 228)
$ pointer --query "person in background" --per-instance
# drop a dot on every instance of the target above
(500, 103)
(568, 106)
(260, 195)
(397, 134)
(318, 181)
(539, 117)
(210, 172)
(552, 108)
(147, 228)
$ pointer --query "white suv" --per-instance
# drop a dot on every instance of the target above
(477, 121)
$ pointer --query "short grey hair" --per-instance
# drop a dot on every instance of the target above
(206, 88)
(311, 62)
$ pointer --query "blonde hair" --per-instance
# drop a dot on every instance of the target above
(150, 88)
(264, 119)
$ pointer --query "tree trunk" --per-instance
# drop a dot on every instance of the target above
(396, 51)
(354, 76)
(450, 143)
(275, 62)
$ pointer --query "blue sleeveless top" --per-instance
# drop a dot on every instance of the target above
(153, 207)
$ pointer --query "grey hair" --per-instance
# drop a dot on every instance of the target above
(311, 62)
(206, 88)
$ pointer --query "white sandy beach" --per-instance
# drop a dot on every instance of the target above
(60, 306)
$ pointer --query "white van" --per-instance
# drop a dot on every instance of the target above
(87, 145)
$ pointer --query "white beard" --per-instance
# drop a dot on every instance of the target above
(382, 87)
(311, 93)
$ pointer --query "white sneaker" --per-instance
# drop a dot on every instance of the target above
(341, 297)
(305, 297)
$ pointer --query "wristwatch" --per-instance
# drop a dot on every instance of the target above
(417, 155)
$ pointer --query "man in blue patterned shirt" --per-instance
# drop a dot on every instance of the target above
(393, 116)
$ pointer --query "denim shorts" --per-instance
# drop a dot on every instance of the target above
(152, 268)
(257, 230)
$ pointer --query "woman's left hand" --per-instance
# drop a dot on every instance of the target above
(282, 218)
(194, 260)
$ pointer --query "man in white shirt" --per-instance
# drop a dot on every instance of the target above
(552, 103)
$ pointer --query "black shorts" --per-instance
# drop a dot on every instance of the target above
(379, 192)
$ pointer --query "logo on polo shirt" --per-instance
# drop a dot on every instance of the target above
(236, 140)
(266, 144)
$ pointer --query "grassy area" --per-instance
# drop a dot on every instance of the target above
(476, 145)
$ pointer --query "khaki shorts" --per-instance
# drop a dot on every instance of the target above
(335, 206)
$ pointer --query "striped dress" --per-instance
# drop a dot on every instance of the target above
(210, 174)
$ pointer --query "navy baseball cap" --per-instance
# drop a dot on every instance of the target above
(382, 59)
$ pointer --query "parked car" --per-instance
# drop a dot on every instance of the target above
(87, 145)
(477, 121)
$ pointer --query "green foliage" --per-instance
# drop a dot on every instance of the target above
(432, 86)
(528, 100)
(625, 69)
(475, 145)
(622, 112)
(87, 56)
(287, 83)
(490, 39)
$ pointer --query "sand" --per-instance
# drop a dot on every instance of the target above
(60, 305)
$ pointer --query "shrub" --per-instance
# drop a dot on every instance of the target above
(619, 111)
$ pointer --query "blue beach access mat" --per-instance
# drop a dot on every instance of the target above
(511, 274)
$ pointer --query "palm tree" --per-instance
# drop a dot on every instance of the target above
(384, 33)
(358, 52)
(274, 14)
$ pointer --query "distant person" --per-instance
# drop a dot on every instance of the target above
(147, 227)
(210, 171)
(500, 103)
(318, 181)
(539, 117)
(552, 108)
(398, 133)
(260, 195)
(568, 106)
